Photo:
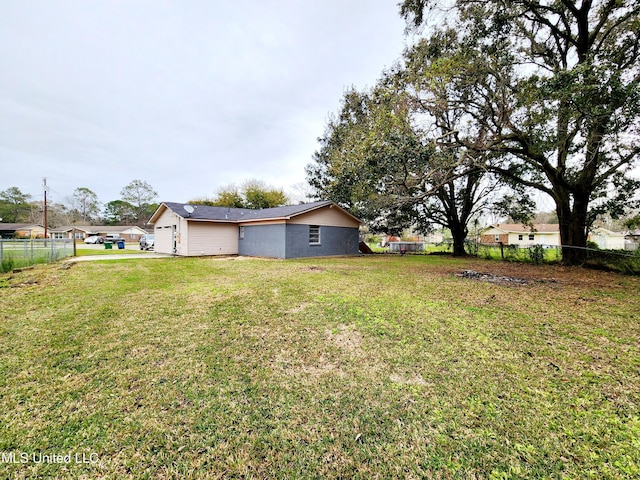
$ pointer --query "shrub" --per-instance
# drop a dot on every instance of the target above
(536, 254)
(7, 264)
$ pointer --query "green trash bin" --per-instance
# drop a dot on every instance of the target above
(108, 245)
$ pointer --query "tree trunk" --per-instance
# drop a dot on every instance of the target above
(459, 234)
(573, 228)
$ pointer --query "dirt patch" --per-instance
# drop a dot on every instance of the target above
(33, 276)
(537, 274)
(312, 268)
(408, 380)
(491, 278)
(346, 339)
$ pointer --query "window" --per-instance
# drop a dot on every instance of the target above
(241, 232)
(531, 236)
(314, 235)
(58, 235)
(520, 237)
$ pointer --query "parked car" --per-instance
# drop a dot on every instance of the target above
(94, 239)
(146, 242)
(113, 238)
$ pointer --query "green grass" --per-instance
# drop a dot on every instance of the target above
(11, 260)
(376, 367)
(104, 251)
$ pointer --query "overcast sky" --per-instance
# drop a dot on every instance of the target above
(187, 95)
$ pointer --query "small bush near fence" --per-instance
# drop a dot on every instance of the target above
(18, 253)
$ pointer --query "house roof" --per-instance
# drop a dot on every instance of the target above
(238, 215)
(519, 228)
(12, 227)
(68, 228)
(96, 228)
(606, 231)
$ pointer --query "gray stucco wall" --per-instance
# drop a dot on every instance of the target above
(263, 241)
(333, 241)
(292, 241)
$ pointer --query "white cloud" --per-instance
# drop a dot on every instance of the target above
(186, 95)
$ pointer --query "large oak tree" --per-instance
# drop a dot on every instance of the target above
(377, 161)
(550, 90)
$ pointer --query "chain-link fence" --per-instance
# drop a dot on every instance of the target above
(16, 253)
(623, 261)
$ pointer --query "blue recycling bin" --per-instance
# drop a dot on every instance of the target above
(120, 244)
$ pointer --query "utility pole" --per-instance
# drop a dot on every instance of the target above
(44, 186)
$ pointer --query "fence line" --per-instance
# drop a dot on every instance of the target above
(35, 250)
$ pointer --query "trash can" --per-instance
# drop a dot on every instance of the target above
(120, 244)
(107, 245)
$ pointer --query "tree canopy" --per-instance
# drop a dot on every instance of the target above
(253, 194)
(386, 161)
(86, 205)
(14, 205)
(549, 94)
(142, 197)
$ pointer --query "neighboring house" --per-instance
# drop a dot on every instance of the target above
(545, 234)
(606, 239)
(128, 233)
(308, 230)
(21, 230)
(632, 240)
(67, 232)
(517, 234)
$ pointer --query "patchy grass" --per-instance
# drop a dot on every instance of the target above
(377, 367)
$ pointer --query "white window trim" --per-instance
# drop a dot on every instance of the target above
(319, 229)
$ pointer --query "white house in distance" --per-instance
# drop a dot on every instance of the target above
(518, 234)
(307, 230)
(546, 234)
(127, 232)
(607, 239)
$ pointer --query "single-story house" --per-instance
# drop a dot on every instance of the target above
(128, 233)
(82, 231)
(546, 234)
(521, 235)
(307, 230)
(21, 230)
(606, 239)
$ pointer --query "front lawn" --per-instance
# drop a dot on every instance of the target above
(365, 367)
